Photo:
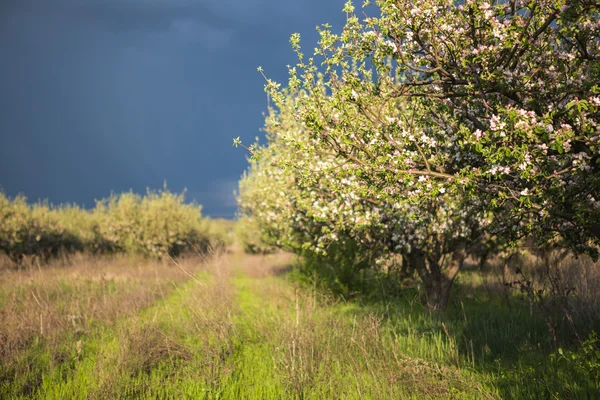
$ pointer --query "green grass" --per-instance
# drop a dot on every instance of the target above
(233, 333)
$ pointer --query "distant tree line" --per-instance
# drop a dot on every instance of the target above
(156, 225)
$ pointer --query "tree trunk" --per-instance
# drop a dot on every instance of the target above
(595, 229)
(406, 269)
(438, 294)
(437, 278)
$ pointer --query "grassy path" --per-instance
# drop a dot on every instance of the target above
(308, 346)
(236, 329)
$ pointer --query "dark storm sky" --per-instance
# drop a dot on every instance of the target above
(101, 96)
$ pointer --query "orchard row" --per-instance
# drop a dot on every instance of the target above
(433, 131)
(155, 225)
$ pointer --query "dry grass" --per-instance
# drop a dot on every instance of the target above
(190, 333)
(267, 265)
(46, 307)
(579, 276)
(146, 346)
(131, 328)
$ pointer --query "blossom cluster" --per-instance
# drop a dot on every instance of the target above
(433, 122)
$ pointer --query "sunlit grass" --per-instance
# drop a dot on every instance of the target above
(236, 327)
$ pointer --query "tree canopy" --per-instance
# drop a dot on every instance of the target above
(423, 128)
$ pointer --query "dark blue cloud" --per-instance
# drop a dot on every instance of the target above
(121, 15)
(105, 95)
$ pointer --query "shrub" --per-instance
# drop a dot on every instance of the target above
(155, 225)
(248, 235)
(33, 231)
(220, 231)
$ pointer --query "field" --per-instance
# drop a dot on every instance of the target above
(231, 325)
(418, 219)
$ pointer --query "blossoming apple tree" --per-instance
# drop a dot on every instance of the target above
(306, 196)
(420, 128)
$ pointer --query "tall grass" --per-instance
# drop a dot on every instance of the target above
(488, 344)
(240, 326)
(48, 313)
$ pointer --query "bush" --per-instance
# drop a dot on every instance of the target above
(585, 361)
(33, 231)
(220, 231)
(249, 237)
(155, 225)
